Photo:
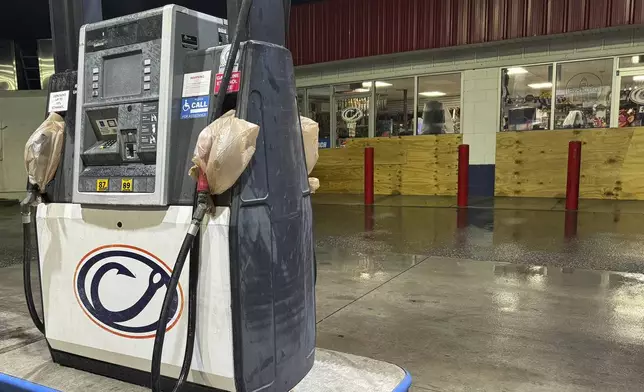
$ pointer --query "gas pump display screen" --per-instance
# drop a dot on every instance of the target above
(122, 75)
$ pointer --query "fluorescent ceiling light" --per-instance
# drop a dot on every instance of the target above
(432, 94)
(378, 84)
(638, 78)
(517, 71)
(635, 59)
(361, 90)
(539, 86)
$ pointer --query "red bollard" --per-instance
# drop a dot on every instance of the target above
(368, 175)
(574, 169)
(463, 175)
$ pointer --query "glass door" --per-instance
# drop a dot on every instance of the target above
(318, 100)
(628, 98)
(352, 110)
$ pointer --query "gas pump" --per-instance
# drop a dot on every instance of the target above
(242, 317)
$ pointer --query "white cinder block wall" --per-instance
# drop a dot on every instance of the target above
(21, 112)
(481, 113)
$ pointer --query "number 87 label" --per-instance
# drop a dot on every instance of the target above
(102, 185)
(126, 185)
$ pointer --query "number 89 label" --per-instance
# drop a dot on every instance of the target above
(126, 185)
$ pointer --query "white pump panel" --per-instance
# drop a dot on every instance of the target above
(98, 264)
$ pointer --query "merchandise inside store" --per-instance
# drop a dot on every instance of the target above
(382, 108)
(594, 93)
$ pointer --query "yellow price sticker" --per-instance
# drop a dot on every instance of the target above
(126, 185)
(102, 185)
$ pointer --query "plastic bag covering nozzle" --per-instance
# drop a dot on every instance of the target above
(310, 131)
(310, 135)
(43, 151)
(224, 149)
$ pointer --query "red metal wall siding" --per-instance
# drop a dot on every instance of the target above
(537, 22)
(342, 29)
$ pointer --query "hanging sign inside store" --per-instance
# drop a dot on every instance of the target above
(585, 89)
(351, 116)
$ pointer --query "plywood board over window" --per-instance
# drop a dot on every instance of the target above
(418, 165)
(534, 164)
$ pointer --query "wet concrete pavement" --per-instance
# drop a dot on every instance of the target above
(463, 325)
(486, 299)
(10, 235)
(600, 240)
(490, 300)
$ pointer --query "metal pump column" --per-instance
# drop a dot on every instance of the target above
(265, 21)
(66, 18)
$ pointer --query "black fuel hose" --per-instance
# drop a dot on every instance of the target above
(26, 262)
(191, 243)
(242, 20)
(193, 284)
(188, 245)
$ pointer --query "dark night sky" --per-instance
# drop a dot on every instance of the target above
(29, 19)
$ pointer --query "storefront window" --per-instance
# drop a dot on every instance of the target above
(439, 104)
(634, 61)
(631, 100)
(395, 107)
(352, 111)
(583, 94)
(526, 97)
(319, 100)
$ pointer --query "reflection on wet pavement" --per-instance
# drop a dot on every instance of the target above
(603, 241)
(485, 300)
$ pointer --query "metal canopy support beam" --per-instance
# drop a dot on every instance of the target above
(67, 17)
(268, 20)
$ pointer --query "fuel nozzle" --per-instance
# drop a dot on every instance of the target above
(202, 183)
(32, 199)
(204, 202)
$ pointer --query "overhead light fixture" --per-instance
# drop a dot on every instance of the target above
(517, 71)
(635, 59)
(539, 86)
(378, 84)
(361, 90)
(432, 94)
(638, 78)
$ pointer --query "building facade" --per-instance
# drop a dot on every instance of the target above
(567, 75)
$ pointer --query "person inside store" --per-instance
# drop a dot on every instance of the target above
(435, 120)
